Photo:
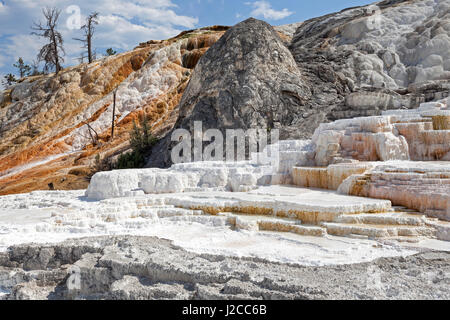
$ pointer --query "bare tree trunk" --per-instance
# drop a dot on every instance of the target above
(113, 115)
(89, 49)
(89, 41)
(89, 30)
(94, 140)
(55, 47)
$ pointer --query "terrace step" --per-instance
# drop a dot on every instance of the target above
(442, 228)
(264, 223)
(405, 239)
(390, 218)
(378, 231)
(301, 211)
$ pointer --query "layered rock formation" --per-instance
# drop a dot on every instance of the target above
(151, 268)
(417, 185)
(64, 121)
(388, 55)
(417, 134)
(351, 148)
(358, 62)
(390, 44)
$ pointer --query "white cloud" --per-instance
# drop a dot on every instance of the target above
(2, 8)
(115, 31)
(23, 45)
(122, 25)
(264, 9)
(146, 11)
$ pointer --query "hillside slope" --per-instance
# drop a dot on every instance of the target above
(357, 62)
(45, 121)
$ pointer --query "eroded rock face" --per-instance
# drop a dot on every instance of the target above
(389, 44)
(422, 186)
(151, 268)
(417, 134)
(248, 79)
(381, 53)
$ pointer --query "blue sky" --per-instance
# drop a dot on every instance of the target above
(123, 24)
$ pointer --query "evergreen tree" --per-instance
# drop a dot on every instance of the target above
(9, 80)
(141, 141)
(111, 52)
(24, 69)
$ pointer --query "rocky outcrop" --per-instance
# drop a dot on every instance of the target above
(347, 149)
(417, 134)
(365, 60)
(248, 79)
(389, 44)
(358, 62)
(150, 268)
(421, 186)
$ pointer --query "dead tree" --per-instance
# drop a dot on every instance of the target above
(50, 53)
(94, 139)
(35, 68)
(114, 114)
(89, 29)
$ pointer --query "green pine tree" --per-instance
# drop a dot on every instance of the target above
(9, 79)
(141, 141)
(111, 52)
(24, 69)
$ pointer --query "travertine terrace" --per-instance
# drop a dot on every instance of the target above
(402, 156)
(367, 157)
(359, 179)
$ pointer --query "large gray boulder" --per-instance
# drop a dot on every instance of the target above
(248, 79)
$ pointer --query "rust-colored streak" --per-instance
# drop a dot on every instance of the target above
(67, 96)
